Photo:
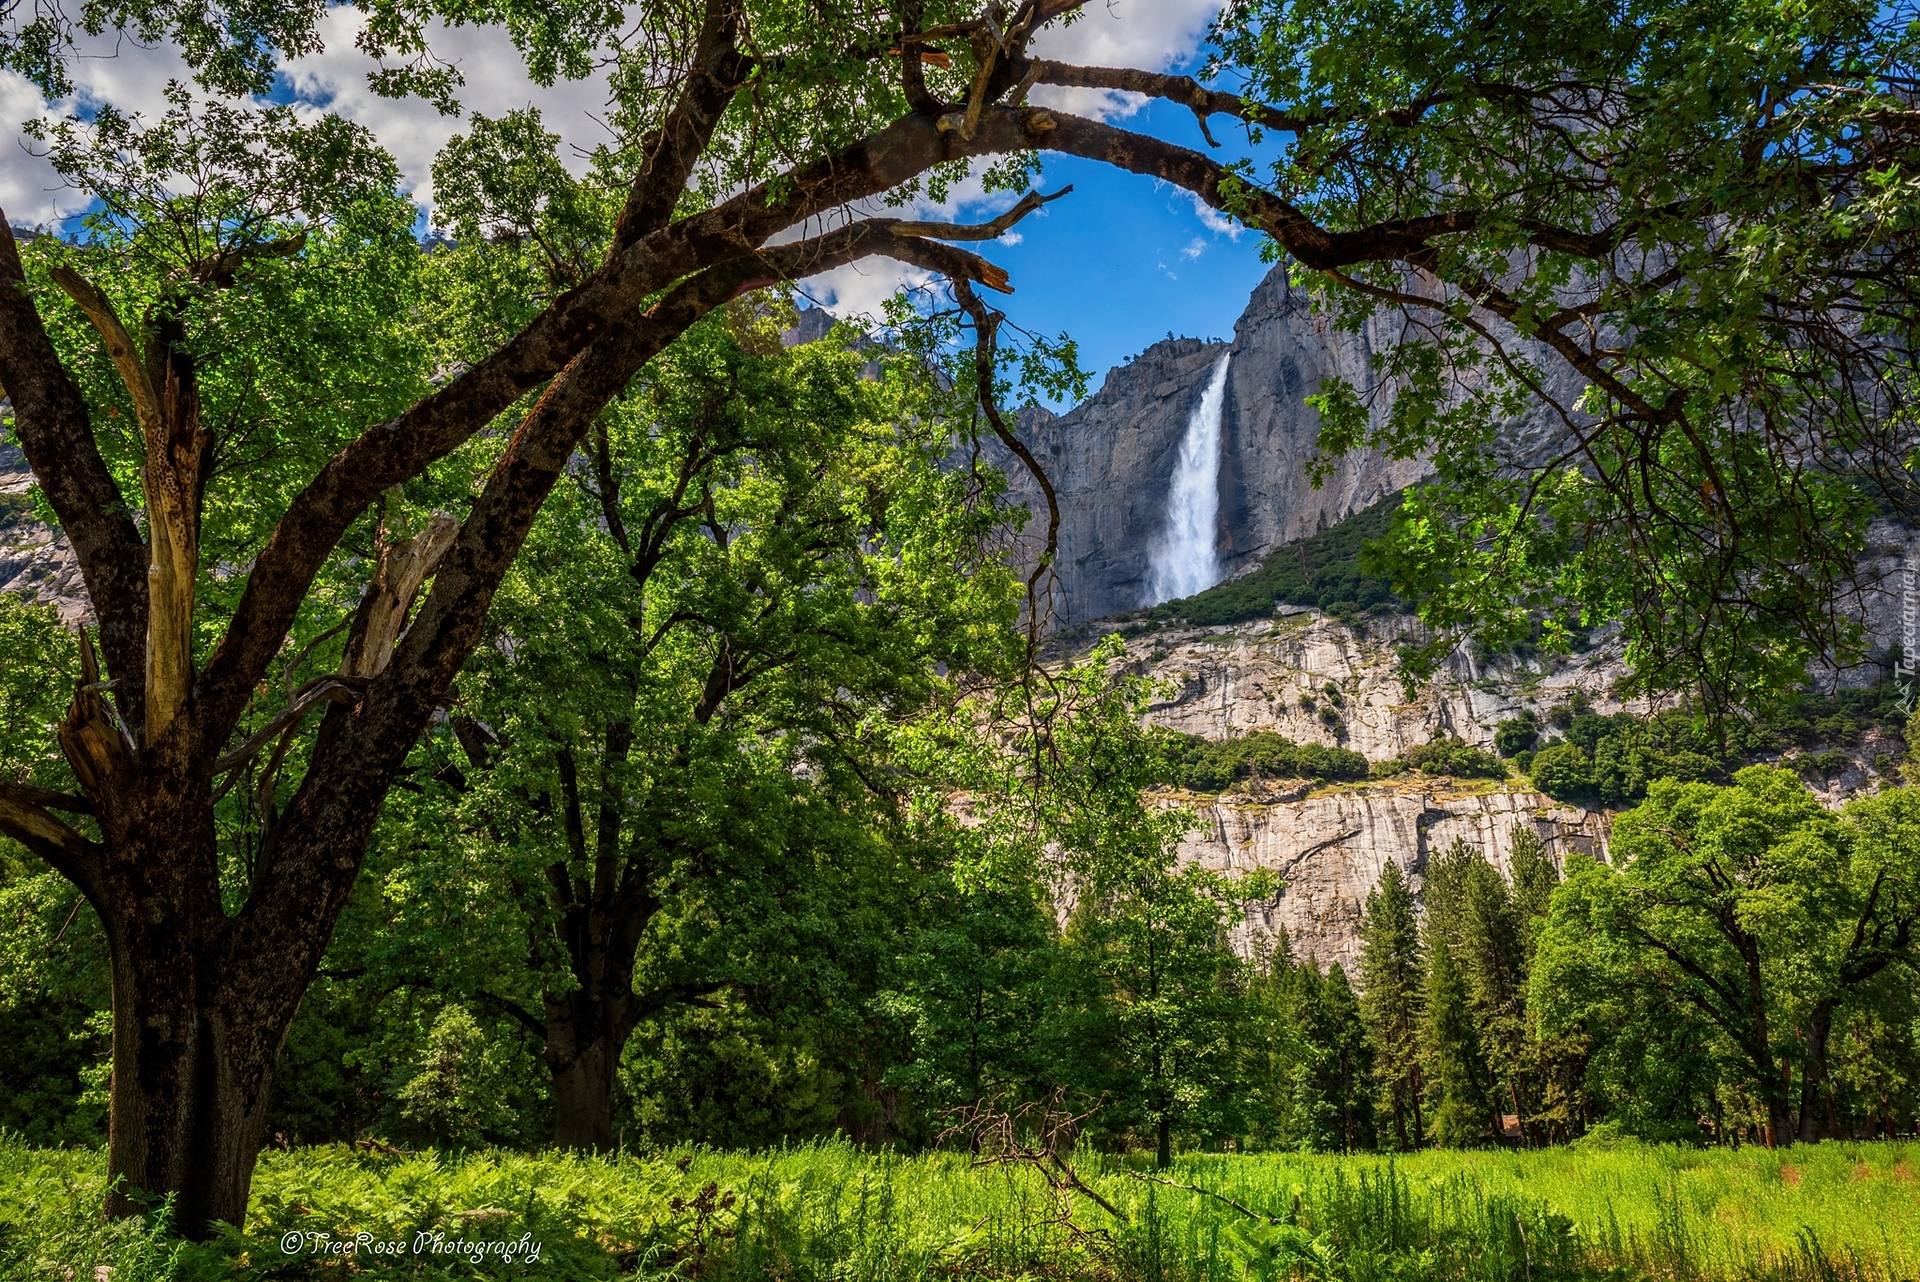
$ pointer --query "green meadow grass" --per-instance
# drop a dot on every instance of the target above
(830, 1211)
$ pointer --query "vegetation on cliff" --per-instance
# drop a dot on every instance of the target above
(1327, 570)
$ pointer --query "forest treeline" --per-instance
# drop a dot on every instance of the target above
(818, 955)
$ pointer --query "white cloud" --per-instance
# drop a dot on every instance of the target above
(862, 288)
(1194, 249)
(1215, 221)
(29, 189)
(1150, 34)
(132, 78)
(496, 82)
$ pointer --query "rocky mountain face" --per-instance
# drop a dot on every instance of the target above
(1111, 458)
(1331, 844)
(1331, 849)
(36, 561)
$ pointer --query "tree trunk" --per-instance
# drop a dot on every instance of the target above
(587, 1029)
(1813, 1073)
(1163, 1152)
(1779, 1114)
(583, 1099)
(192, 1077)
(197, 1025)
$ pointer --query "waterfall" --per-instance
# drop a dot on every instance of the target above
(1184, 559)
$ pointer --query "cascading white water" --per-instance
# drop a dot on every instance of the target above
(1185, 560)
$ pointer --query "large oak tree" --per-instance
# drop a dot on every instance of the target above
(1702, 211)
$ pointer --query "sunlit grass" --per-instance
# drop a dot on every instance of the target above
(831, 1211)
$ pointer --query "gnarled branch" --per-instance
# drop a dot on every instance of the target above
(26, 794)
(404, 567)
(52, 426)
(980, 231)
(70, 853)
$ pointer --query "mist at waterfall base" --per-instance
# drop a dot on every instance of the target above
(1186, 558)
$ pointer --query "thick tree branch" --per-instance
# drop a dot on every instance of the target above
(718, 70)
(1184, 90)
(26, 794)
(51, 422)
(72, 855)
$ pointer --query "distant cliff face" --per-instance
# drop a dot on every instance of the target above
(1331, 849)
(1331, 844)
(1111, 458)
(36, 561)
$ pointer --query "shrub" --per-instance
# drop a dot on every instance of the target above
(1517, 735)
(1213, 765)
(1560, 770)
(1824, 765)
(1561, 715)
(1457, 758)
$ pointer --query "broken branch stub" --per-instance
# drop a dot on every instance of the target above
(404, 567)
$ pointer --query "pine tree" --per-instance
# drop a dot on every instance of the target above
(1312, 1112)
(1392, 973)
(1450, 1050)
(1534, 875)
(1553, 1076)
(1492, 958)
(1352, 1061)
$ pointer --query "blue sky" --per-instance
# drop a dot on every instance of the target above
(1123, 260)
(1116, 264)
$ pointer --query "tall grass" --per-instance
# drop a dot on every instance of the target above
(1824, 1213)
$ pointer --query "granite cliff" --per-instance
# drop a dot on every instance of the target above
(1331, 843)
(1112, 457)
(36, 561)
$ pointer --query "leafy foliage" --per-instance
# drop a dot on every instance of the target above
(1213, 765)
(1447, 756)
(1713, 269)
(1715, 1214)
(1612, 760)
